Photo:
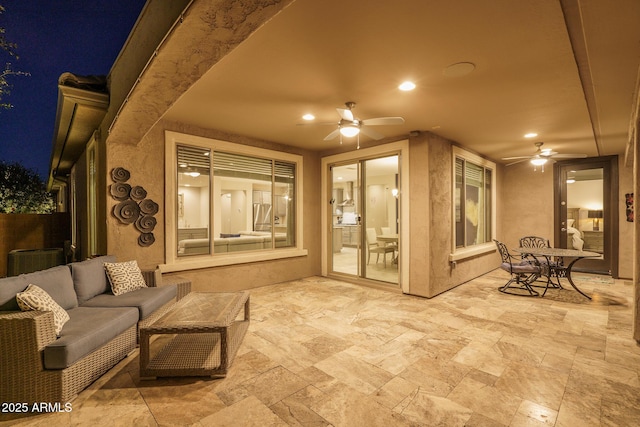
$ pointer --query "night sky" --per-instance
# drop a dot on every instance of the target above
(54, 36)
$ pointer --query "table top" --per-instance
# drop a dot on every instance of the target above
(202, 309)
(387, 237)
(559, 252)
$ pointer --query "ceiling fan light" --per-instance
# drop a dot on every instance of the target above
(349, 131)
(538, 162)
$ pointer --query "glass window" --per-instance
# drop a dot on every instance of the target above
(247, 203)
(194, 202)
(473, 201)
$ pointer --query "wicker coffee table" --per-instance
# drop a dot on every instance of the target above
(206, 335)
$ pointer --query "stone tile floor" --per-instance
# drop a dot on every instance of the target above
(321, 352)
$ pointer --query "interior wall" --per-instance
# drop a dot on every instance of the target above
(196, 207)
(385, 204)
(585, 195)
(238, 200)
(145, 161)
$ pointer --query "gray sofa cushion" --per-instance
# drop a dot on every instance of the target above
(90, 278)
(9, 287)
(87, 330)
(55, 281)
(146, 300)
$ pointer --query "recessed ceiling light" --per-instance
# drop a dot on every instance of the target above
(308, 116)
(530, 135)
(407, 86)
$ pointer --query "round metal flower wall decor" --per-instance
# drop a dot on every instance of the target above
(133, 207)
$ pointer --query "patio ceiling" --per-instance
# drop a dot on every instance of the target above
(566, 70)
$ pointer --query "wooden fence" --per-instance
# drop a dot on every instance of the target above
(32, 231)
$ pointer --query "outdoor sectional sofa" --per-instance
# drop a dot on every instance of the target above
(36, 365)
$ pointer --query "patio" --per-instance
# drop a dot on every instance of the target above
(324, 352)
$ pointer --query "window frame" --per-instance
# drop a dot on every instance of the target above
(459, 253)
(175, 263)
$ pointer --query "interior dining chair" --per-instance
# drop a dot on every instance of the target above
(557, 265)
(387, 231)
(374, 247)
(523, 273)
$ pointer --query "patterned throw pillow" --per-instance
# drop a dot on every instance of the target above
(36, 298)
(124, 276)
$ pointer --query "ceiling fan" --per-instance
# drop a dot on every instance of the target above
(542, 156)
(350, 126)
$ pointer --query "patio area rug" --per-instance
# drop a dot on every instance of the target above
(598, 297)
(592, 278)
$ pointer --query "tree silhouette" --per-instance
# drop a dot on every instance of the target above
(10, 49)
(23, 191)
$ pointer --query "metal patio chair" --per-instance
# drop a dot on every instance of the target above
(523, 273)
(556, 265)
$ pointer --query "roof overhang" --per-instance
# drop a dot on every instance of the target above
(79, 114)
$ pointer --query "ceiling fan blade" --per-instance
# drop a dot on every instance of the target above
(569, 156)
(383, 121)
(518, 158)
(332, 135)
(518, 161)
(345, 114)
(316, 124)
(371, 133)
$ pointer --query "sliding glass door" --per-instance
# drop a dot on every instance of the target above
(346, 215)
(364, 218)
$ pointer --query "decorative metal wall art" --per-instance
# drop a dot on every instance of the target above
(133, 207)
(629, 206)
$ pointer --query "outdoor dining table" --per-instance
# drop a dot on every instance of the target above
(550, 253)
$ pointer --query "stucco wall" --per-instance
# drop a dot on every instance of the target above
(146, 164)
(431, 221)
(418, 216)
(625, 228)
(526, 200)
(527, 208)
